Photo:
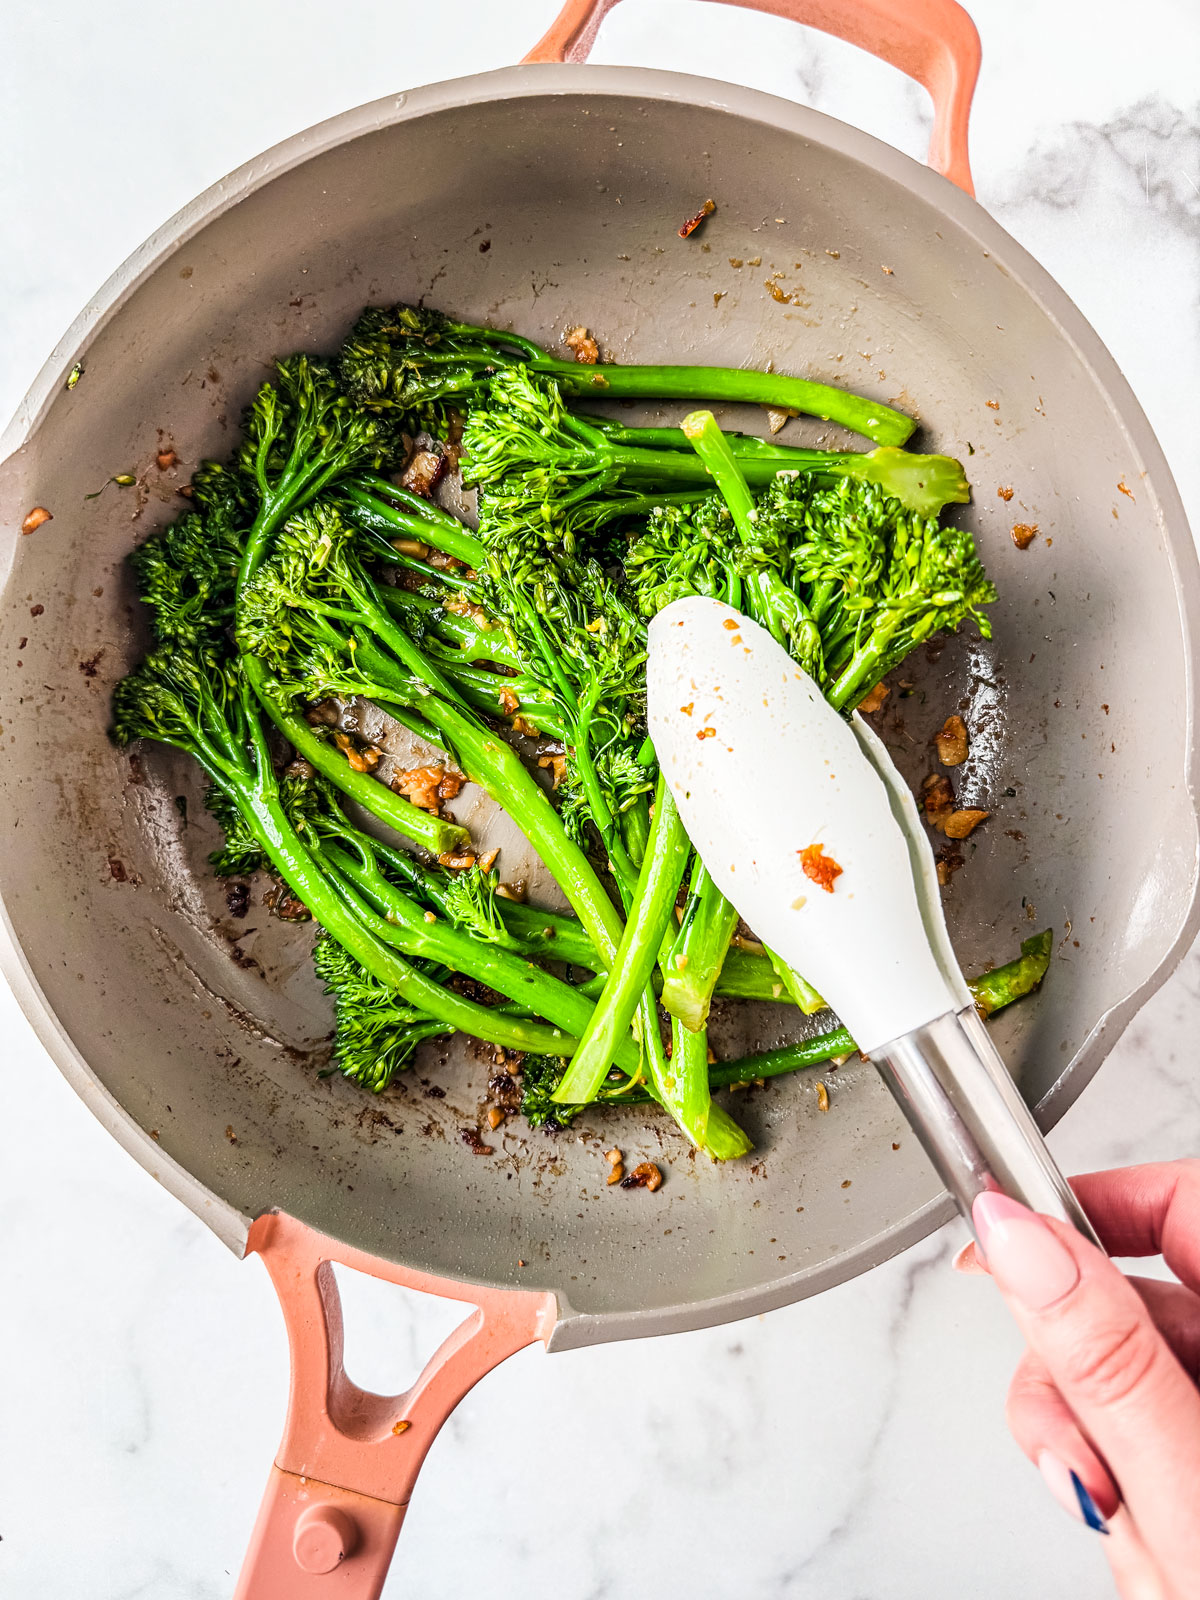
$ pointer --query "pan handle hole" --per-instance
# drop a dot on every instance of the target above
(390, 1331)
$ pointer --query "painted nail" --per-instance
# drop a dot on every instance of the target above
(968, 1261)
(1068, 1489)
(1023, 1256)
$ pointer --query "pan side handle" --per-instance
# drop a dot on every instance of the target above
(933, 41)
(349, 1459)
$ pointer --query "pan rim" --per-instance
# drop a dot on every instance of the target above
(754, 106)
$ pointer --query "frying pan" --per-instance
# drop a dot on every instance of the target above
(541, 197)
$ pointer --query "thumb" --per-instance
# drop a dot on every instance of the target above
(1107, 1359)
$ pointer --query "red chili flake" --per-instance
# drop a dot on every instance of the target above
(1125, 489)
(707, 733)
(692, 223)
(822, 869)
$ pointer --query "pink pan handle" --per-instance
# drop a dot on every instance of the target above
(933, 41)
(349, 1459)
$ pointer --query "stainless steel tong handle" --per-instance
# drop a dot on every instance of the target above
(963, 1105)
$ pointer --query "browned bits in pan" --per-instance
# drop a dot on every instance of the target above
(282, 903)
(616, 1169)
(822, 1097)
(1005, 491)
(937, 799)
(949, 860)
(582, 346)
(959, 824)
(644, 1176)
(364, 760)
(35, 518)
(422, 472)
(323, 715)
(1023, 534)
(873, 699)
(470, 1137)
(692, 223)
(427, 787)
(462, 607)
(237, 899)
(558, 768)
(952, 747)
(165, 460)
(457, 861)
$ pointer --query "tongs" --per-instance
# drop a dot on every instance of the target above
(809, 830)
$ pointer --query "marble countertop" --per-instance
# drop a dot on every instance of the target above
(848, 1448)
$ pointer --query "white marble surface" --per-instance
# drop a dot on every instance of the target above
(850, 1448)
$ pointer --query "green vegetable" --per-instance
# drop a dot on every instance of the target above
(411, 359)
(926, 484)
(275, 592)
(649, 915)
(1002, 985)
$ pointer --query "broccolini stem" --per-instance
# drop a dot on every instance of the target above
(789, 1058)
(497, 768)
(403, 924)
(292, 860)
(474, 641)
(799, 989)
(694, 961)
(426, 510)
(1003, 985)
(435, 834)
(707, 1125)
(778, 608)
(923, 483)
(442, 531)
(538, 933)
(734, 384)
(649, 916)
(993, 991)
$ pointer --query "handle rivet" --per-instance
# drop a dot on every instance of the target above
(324, 1537)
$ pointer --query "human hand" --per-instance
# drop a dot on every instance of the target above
(1106, 1393)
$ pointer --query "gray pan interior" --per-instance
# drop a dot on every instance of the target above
(539, 198)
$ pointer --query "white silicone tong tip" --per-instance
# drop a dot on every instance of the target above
(798, 830)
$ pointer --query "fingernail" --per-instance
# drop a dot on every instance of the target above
(967, 1260)
(1023, 1256)
(1067, 1488)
